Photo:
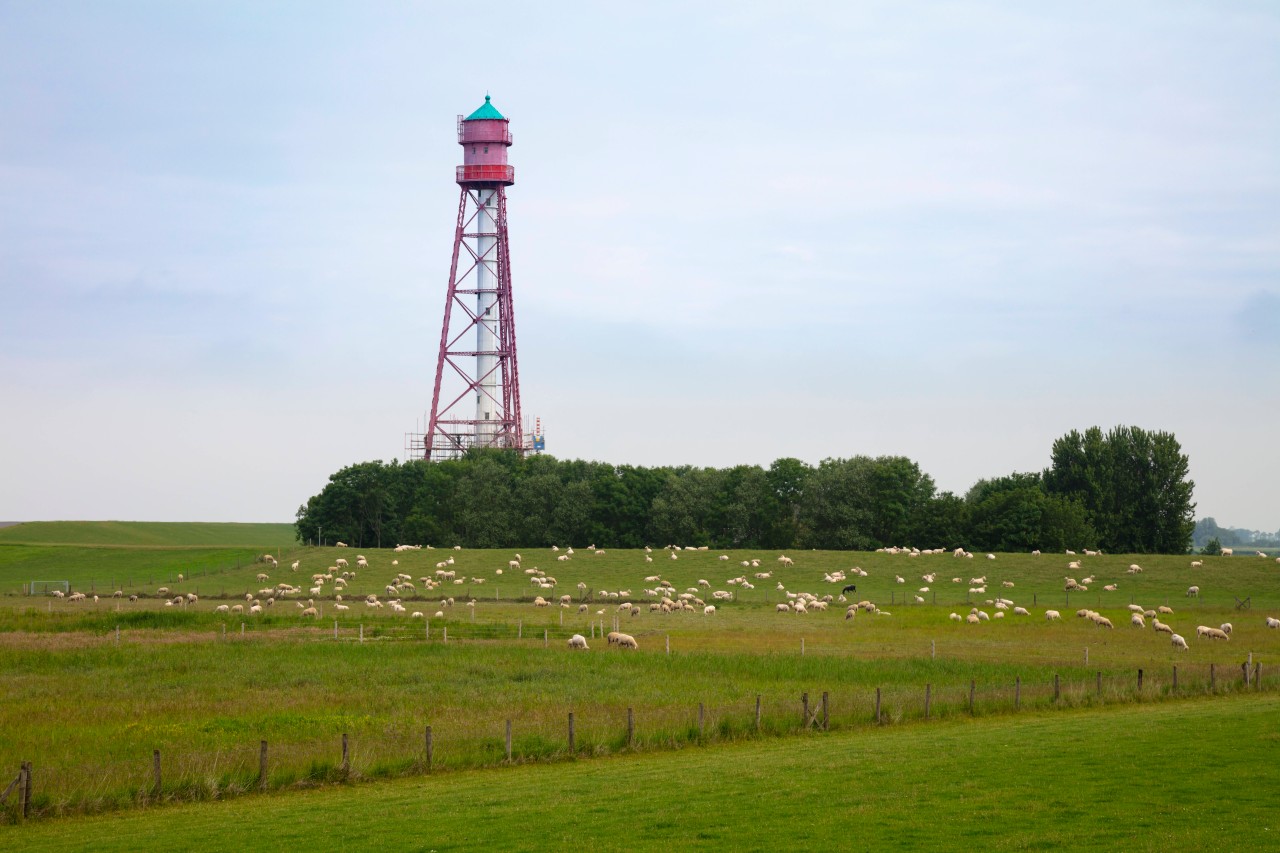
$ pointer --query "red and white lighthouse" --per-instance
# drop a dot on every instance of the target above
(476, 401)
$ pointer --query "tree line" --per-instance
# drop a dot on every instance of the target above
(1126, 490)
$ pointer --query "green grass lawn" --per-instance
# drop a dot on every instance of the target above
(1196, 774)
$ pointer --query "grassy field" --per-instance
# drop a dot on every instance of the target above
(1184, 776)
(205, 687)
(162, 534)
(106, 555)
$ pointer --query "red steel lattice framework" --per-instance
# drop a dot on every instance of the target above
(477, 368)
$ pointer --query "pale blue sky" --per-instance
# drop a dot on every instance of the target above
(740, 231)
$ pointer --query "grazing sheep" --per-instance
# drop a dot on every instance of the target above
(1136, 608)
(1110, 587)
(1168, 611)
(626, 641)
(1052, 615)
(1137, 621)
(1178, 642)
(1226, 627)
(783, 608)
(1193, 592)
(311, 611)
(341, 607)
(1102, 621)
(1157, 625)
(706, 611)
(539, 601)
(972, 619)
(1195, 564)
(1273, 622)
(577, 641)
(1227, 552)
(1021, 611)
(222, 608)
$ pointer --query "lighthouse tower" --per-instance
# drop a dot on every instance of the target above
(476, 401)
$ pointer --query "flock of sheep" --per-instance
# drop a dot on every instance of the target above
(663, 597)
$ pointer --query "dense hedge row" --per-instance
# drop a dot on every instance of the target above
(1126, 491)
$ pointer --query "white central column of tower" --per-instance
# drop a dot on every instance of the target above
(487, 394)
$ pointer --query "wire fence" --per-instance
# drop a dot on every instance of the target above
(490, 737)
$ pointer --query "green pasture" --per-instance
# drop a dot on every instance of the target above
(88, 705)
(137, 534)
(1177, 776)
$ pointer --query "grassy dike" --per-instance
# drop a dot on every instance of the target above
(1197, 774)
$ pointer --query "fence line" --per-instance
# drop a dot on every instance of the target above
(532, 736)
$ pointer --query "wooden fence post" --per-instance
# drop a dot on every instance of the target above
(444, 634)
(971, 685)
(804, 701)
(701, 720)
(878, 717)
(544, 638)
(928, 688)
(26, 789)
(1139, 679)
(1017, 691)
(1099, 688)
(262, 765)
(631, 727)
(519, 629)
(826, 720)
(1244, 671)
(1175, 676)
(22, 792)
(155, 772)
(1211, 679)
(572, 747)
(346, 756)
(508, 741)
(757, 712)
(431, 749)
(1057, 692)
(668, 645)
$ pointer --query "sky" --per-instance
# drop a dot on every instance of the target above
(740, 231)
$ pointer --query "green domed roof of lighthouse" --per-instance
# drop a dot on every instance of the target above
(486, 111)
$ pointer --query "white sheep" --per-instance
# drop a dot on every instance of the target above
(1193, 592)
(1273, 622)
(1137, 621)
(1226, 628)
(577, 641)
(708, 610)
(1052, 615)
(626, 641)
(1178, 642)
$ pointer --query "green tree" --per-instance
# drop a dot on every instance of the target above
(1133, 485)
